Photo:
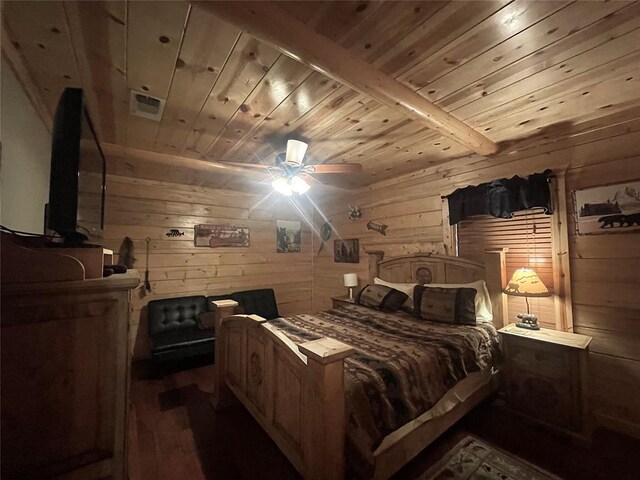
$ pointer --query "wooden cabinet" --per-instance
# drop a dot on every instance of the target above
(545, 375)
(65, 376)
(337, 301)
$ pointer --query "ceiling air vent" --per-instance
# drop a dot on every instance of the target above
(146, 106)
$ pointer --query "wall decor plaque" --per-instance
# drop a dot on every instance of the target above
(215, 236)
(288, 236)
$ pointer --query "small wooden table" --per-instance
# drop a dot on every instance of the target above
(545, 375)
(338, 301)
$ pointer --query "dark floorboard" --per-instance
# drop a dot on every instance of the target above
(175, 434)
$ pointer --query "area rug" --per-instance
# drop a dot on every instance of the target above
(473, 459)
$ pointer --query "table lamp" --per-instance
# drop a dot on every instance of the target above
(526, 283)
(350, 280)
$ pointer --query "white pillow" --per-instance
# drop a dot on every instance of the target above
(483, 300)
(403, 287)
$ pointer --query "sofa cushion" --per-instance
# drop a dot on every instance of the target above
(260, 302)
(173, 314)
(181, 339)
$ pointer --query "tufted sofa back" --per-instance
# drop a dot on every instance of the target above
(172, 314)
(261, 302)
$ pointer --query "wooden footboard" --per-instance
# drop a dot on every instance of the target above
(295, 393)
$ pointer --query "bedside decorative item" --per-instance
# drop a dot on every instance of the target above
(325, 234)
(350, 281)
(378, 227)
(354, 212)
(174, 232)
(346, 251)
(526, 283)
(608, 209)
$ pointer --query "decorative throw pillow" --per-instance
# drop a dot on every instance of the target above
(483, 300)
(403, 287)
(380, 297)
(447, 305)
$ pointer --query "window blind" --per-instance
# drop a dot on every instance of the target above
(528, 237)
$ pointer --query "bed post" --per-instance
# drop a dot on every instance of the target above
(375, 256)
(325, 406)
(222, 395)
(495, 265)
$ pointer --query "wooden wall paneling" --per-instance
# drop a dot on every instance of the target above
(154, 37)
(576, 106)
(281, 80)
(561, 19)
(44, 41)
(567, 57)
(141, 208)
(153, 42)
(269, 22)
(203, 54)
(499, 31)
(247, 65)
(447, 24)
(98, 32)
(266, 134)
(12, 54)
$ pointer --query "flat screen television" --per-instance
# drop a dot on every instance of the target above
(78, 174)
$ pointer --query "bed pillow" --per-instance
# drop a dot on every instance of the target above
(381, 297)
(403, 287)
(484, 312)
(447, 305)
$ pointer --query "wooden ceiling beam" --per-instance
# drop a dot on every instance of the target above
(271, 24)
(119, 151)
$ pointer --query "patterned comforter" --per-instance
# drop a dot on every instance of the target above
(401, 368)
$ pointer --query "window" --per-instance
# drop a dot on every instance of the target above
(529, 239)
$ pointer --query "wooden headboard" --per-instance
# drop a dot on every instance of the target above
(424, 268)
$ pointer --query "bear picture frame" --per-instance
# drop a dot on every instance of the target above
(608, 209)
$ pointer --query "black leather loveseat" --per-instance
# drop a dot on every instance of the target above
(173, 322)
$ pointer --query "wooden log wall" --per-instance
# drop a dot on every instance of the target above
(140, 208)
(604, 268)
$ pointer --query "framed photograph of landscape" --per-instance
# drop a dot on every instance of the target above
(608, 209)
(215, 236)
(346, 251)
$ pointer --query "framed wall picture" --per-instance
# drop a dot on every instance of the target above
(288, 236)
(215, 236)
(346, 251)
(608, 209)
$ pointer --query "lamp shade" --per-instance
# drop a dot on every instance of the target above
(350, 279)
(526, 283)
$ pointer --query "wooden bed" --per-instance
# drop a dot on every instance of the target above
(297, 393)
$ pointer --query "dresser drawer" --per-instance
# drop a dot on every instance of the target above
(547, 360)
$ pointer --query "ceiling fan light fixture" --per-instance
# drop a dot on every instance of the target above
(299, 186)
(282, 186)
(296, 150)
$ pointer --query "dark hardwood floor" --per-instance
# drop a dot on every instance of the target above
(175, 434)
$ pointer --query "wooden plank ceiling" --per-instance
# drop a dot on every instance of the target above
(510, 69)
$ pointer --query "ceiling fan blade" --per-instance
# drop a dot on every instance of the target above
(249, 165)
(333, 168)
(310, 179)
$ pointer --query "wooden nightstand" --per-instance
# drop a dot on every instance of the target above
(545, 375)
(337, 301)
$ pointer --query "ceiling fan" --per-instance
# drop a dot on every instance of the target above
(292, 174)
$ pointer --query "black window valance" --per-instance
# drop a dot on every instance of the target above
(500, 198)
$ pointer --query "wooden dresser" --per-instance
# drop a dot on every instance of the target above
(65, 378)
(545, 372)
